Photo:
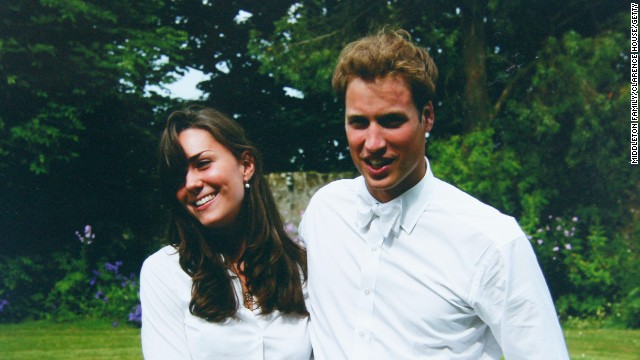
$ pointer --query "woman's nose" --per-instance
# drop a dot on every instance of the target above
(193, 183)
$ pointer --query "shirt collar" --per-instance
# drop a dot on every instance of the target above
(414, 201)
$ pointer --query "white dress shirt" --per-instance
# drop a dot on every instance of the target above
(456, 280)
(170, 332)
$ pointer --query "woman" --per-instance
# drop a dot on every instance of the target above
(230, 285)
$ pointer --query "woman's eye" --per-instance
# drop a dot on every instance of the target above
(203, 163)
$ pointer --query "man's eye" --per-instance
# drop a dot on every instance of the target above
(392, 121)
(357, 122)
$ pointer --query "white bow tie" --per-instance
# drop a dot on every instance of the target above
(388, 213)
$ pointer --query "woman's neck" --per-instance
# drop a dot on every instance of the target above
(230, 242)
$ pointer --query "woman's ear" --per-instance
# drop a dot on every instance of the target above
(248, 163)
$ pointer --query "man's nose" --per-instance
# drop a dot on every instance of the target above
(375, 141)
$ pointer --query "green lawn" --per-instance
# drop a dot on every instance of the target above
(78, 340)
(99, 340)
(601, 344)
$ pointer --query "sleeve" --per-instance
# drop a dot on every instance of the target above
(163, 335)
(512, 297)
(303, 228)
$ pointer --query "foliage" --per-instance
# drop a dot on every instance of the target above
(476, 165)
(78, 134)
(110, 294)
(73, 291)
(77, 131)
(22, 277)
(57, 55)
(567, 142)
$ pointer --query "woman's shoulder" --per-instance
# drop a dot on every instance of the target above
(165, 260)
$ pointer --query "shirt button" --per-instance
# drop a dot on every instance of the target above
(374, 248)
(367, 291)
(361, 334)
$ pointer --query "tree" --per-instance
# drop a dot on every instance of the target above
(218, 43)
(474, 50)
(77, 133)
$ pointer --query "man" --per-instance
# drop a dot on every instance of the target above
(401, 264)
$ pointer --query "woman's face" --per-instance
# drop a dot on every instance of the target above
(213, 189)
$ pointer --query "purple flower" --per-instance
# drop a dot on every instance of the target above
(113, 267)
(290, 228)
(3, 304)
(94, 278)
(540, 241)
(567, 246)
(99, 294)
(136, 314)
(574, 219)
(556, 248)
(87, 236)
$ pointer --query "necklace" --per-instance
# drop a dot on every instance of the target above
(249, 301)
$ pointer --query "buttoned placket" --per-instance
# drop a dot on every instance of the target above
(369, 262)
(249, 316)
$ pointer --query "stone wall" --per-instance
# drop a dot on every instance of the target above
(293, 190)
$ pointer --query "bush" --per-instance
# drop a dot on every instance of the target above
(585, 268)
(103, 292)
(69, 287)
(21, 288)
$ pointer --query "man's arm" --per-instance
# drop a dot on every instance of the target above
(512, 297)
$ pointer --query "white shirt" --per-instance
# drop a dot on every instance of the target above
(458, 281)
(170, 332)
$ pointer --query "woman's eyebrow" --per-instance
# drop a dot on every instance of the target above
(197, 156)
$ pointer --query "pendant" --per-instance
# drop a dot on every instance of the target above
(249, 301)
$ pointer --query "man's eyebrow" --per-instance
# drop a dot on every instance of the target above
(392, 115)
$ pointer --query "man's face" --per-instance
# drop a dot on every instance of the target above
(386, 134)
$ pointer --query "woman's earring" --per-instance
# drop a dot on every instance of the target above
(246, 185)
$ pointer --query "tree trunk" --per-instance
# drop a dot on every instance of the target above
(474, 51)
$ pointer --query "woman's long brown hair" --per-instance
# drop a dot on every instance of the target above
(275, 266)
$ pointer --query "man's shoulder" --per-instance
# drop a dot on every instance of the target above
(474, 214)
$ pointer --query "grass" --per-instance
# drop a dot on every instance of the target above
(82, 340)
(601, 344)
(100, 340)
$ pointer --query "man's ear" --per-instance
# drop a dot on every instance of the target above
(248, 163)
(428, 117)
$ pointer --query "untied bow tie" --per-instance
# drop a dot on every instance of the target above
(389, 214)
